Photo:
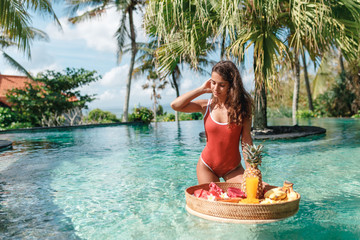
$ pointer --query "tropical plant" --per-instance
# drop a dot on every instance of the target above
(148, 66)
(99, 116)
(16, 29)
(335, 102)
(181, 38)
(191, 116)
(264, 25)
(354, 77)
(305, 114)
(18, 125)
(43, 101)
(160, 110)
(169, 117)
(356, 115)
(141, 114)
(6, 117)
(126, 8)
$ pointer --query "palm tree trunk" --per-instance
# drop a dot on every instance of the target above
(176, 86)
(342, 73)
(260, 115)
(132, 63)
(307, 83)
(155, 102)
(260, 118)
(222, 50)
(296, 89)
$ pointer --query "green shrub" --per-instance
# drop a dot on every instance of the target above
(196, 116)
(304, 114)
(335, 102)
(356, 115)
(160, 111)
(18, 125)
(6, 117)
(99, 116)
(168, 117)
(280, 112)
(190, 116)
(184, 116)
(141, 114)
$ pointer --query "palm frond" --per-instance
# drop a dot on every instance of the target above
(15, 64)
(120, 35)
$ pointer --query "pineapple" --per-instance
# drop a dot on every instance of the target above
(254, 155)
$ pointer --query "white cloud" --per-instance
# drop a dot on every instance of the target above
(32, 71)
(108, 95)
(54, 67)
(248, 81)
(186, 84)
(98, 33)
(116, 76)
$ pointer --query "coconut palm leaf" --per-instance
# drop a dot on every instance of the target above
(121, 35)
(15, 64)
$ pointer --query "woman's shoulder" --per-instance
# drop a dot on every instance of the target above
(202, 102)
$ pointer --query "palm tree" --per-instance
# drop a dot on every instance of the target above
(148, 66)
(191, 28)
(309, 24)
(307, 82)
(175, 47)
(15, 26)
(263, 24)
(334, 29)
(127, 9)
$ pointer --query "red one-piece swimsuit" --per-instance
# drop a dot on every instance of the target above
(221, 153)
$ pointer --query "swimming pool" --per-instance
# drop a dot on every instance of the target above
(128, 182)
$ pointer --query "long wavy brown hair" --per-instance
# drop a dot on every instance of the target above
(239, 102)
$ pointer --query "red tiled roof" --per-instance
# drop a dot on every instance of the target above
(8, 82)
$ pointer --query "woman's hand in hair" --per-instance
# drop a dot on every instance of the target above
(206, 86)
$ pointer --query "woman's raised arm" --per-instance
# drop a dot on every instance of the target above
(184, 102)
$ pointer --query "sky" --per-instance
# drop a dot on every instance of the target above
(91, 45)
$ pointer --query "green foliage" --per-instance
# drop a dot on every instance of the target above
(190, 116)
(196, 116)
(18, 125)
(356, 115)
(141, 114)
(168, 117)
(6, 117)
(279, 112)
(305, 114)
(99, 116)
(336, 102)
(16, 28)
(51, 94)
(160, 110)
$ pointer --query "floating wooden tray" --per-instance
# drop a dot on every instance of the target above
(237, 212)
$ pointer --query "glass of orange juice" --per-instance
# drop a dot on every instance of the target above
(251, 187)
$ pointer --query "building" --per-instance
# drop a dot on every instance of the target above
(8, 82)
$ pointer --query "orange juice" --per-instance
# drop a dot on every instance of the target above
(251, 187)
(249, 200)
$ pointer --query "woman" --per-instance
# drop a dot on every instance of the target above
(227, 119)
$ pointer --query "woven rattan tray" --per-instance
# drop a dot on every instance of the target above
(237, 212)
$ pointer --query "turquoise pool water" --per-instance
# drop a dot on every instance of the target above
(128, 182)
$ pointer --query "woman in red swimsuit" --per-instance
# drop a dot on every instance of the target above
(227, 121)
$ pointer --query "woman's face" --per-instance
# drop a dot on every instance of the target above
(219, 86)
